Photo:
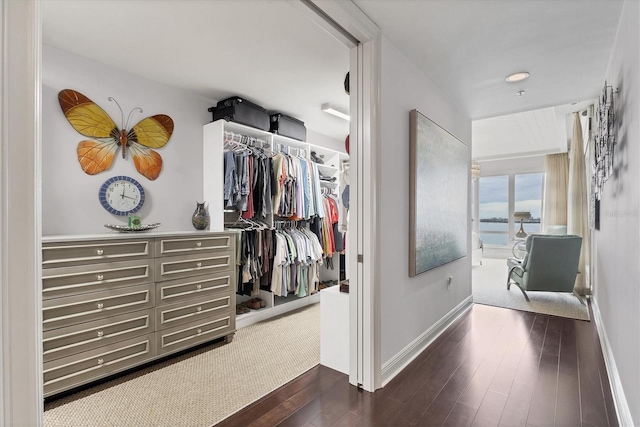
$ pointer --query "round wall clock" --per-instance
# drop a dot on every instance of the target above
(121, 195)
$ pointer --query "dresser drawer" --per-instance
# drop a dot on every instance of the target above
(74, 339)
(189, 265)
(177, 338)
(73, 253)
(187, 245)
(171, 291)
(64, 373)
(60, 312)
(200, 308)
(66, 281)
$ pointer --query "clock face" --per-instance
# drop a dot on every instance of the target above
(121, 195)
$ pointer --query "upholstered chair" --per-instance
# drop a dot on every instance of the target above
(550, 264)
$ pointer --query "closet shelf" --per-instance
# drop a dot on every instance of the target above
(328, 184)
(327, 169)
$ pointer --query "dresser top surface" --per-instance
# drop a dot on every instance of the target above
(133, 235)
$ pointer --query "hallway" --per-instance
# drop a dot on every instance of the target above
(492, 367)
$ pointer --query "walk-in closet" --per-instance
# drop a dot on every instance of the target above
(290, 237)
(148, 318)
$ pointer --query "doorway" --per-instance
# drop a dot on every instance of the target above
(22, 365)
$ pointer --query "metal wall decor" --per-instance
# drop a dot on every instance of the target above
(97, 154)
(604, 140)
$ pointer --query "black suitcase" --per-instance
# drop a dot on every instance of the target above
(288, 126)
(239, 110)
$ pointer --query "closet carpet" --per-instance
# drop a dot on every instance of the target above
(490, 288)
(202, 387)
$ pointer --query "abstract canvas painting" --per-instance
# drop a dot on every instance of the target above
(439, 171)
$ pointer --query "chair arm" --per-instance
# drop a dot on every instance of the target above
(515, 267)
(513, 261)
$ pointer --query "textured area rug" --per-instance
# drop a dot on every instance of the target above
(202, 387)
(490, 288)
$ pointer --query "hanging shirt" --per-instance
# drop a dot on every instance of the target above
(317, 192)
(230, 178)
(306, 188)
(277, 183)
(249, 211)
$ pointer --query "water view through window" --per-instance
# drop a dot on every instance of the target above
(493, 200)
(528, 198)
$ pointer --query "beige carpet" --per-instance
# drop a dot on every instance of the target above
(490, 288)
(205, 386)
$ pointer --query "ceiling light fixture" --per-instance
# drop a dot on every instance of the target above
(328, 108)
(517, 77)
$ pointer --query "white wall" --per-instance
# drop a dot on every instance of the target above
(325, 141)
(69, 196)
(410, 306)
(617, 243)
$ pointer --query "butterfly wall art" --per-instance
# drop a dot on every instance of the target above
(97, 155)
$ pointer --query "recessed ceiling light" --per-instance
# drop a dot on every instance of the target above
(517, 77)
(328, 108)
(520, 93)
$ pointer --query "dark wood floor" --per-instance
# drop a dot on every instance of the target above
(492, 367)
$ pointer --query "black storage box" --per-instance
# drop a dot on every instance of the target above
(239, 110)
(288, 126)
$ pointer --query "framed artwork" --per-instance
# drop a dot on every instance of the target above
(439, 180)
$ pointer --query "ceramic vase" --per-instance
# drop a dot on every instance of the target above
(200, 218)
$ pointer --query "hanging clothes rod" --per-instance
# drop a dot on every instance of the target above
(247, 140)
(286, 149)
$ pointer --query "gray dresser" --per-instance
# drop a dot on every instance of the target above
(112, 302)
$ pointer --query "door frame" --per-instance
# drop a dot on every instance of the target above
(348, 24)
(21, 212)
(21, 381)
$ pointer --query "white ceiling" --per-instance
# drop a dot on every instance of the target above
(269, 52)
(266, 51)
(529, 133)
(468, 47)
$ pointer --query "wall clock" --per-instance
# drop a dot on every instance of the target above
(121, 195)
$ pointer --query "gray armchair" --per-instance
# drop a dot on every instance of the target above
(550, 264)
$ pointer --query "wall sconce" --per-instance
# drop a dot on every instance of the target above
(521, 234)
(475, 170)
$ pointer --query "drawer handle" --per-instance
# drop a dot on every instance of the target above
(198, 244)
(100, 334)
(100, 305)
(100, 361)
(100, 276)
(199, 286)
(198, 264)
(199, 309)
(99, 251)
(199, 331)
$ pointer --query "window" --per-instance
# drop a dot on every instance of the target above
(528, 198)
(498, 197)
(493, 199)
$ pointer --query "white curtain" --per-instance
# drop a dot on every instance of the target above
(578, 205)
(556, 184)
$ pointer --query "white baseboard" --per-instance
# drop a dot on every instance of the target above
(619, 399)
(397, 363)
